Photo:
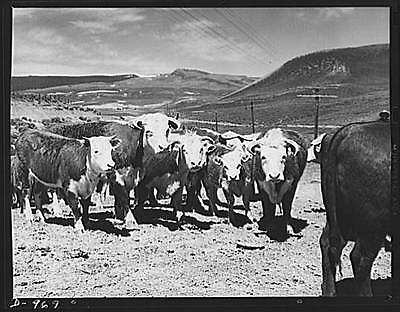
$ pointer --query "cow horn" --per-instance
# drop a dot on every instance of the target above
(293, 144)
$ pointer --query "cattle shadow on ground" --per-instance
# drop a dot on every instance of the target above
(107, 227)
(100, 223)
(380, 287)
(167, 218)
(65, 221)
(276, 228)
(240, 220)
(202, 225)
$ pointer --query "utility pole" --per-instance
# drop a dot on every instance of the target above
(317, 97)
(252, 115)
(216, 121)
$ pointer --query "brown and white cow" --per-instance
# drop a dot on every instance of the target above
(73, 166)
(280, 159)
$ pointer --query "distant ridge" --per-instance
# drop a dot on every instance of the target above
(365, 65)
(20, 83)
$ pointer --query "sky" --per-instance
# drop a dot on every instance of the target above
(149, 41)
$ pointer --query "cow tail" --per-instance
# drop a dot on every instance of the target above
(336, 240)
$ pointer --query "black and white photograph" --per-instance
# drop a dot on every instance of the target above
(200, 152)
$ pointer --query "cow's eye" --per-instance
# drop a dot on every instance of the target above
(284, 157)
(263, 157)
(96, 152)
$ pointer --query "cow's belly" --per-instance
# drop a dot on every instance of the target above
(82, 188)
(167, 184)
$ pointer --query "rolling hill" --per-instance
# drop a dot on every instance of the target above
(360, 68)
(358, 76)
(40, 82)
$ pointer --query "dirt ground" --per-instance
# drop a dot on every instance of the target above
(202, 259)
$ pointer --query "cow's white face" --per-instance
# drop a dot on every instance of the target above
(232, 162)
(100, 152)
(194, 148)
(274, 149)
(273, 159)
(157, 127)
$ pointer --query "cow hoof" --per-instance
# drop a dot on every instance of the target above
(79, 226)
(131, 226)
(289, 230)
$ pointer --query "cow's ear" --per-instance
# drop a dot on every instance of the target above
(292, 146)
(115, 142)
(173, 124)
(85, 142)
(211, 148)
(255, 149)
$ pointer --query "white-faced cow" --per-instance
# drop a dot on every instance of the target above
(158, 127)
(238, 170)
(355, 182)
(70, 165)
(167, 171)
(129, 154)
(280, 157)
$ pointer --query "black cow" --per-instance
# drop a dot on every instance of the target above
(70, 165)
(355, 183)
(280, 157)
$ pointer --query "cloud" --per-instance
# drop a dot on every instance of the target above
(100, 21)
(317, 15)
(209, 41)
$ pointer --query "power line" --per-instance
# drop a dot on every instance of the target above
(243, 31)
(255, 33)
(217, 34)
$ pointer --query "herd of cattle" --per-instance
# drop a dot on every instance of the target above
(154, 151)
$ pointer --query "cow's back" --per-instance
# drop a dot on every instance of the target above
(128, 153)
(48, 155)
(358, 161)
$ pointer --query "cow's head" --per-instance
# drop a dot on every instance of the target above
(233, 162)
(101, 147)
(157, 129)
(274, 149)
(193, 147)
(313, 152)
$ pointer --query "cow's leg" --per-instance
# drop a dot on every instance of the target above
(176, 201)
(287, 201)
(73, 202)
(27, 205)
(230, 201)
(142, 195)
(55, 205)
(268, 211)
(328, 262)
(153, 202)
(211, 191)
(85, 202)
(193, 192)
(362, 257)
(38, 191)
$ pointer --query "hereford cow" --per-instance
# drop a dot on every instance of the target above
(355, 183)
(280, 157)
(167, 171)
(238, 170)
(70, 165)
(129, 154)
